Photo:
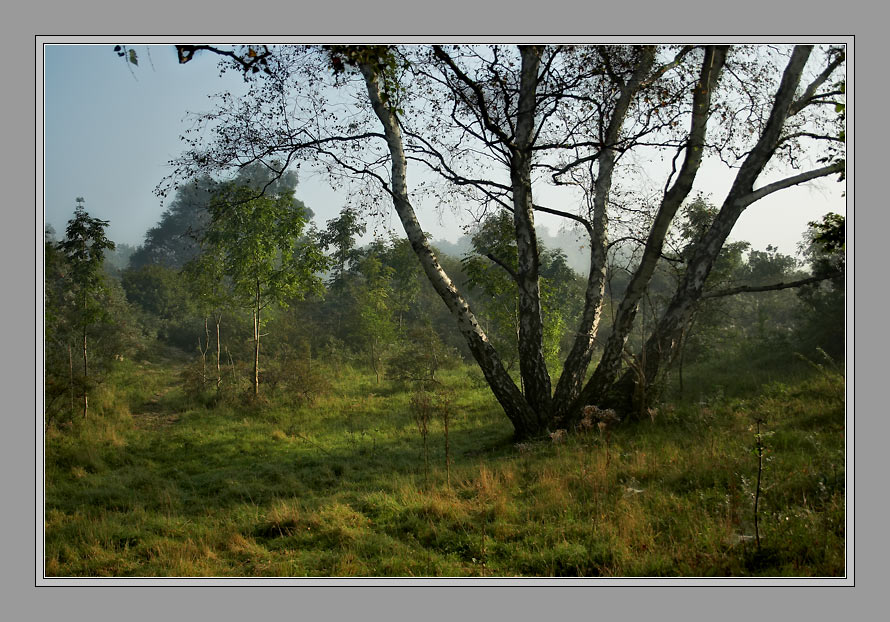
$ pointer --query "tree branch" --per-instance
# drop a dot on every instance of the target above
(503, 265)
(745, 289)
(253, 63)
(794, 180)
(490, 125)
(583, 221)
(810, 93)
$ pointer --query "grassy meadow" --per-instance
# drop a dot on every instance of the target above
(155, 483)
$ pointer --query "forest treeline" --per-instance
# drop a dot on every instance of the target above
(259, 299)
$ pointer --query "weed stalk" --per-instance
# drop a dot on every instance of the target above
(758, 448)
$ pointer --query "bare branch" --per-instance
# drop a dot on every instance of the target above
(809, 94)
(794, 180)
(490, 125)
(745, 289)
(583, 221)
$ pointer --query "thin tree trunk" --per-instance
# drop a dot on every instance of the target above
(71, 375)
(203, 351)
(524, 419)
(218, 318)
(610, 362)
(256, 343)
(85, 375)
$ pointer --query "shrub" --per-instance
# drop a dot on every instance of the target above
(420, 357)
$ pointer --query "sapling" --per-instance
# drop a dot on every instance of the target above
(758, 450)
(444, 409)
(422, 405)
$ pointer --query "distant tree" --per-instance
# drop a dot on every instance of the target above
(406, 279)
(375, 312)
(173, 242)
(84, 249)
(339, 237)
(822, 324)
(118, 259)
(164, 300)
(260, 242)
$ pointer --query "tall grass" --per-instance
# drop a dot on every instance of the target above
(156, 485)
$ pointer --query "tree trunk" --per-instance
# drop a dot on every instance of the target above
(662, 343)
(610, 362)
(218, 369)
(256, 343)
(71, 376)
(532, 366)
(525, 420)
(85, 375)
(203, 351)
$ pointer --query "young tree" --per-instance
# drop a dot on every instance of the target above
(210, 289)
(84, 248)
(375, 314)
(260, 241)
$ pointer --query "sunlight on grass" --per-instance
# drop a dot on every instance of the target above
(337, 488)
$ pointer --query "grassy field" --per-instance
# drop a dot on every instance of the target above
(156, 484)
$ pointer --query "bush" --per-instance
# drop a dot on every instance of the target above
(421, 355)
(297, 380)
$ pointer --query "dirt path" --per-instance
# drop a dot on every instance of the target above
(152, 416)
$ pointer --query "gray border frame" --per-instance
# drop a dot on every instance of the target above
(682, 18)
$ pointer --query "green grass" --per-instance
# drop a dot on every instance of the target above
(154, 485)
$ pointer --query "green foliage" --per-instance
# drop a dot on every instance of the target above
(489, 269)
(420, 356)
(339, 235)
(176, 238)
(821, 321)
(261, 244)
(376, 325)
(164, 298)
(825, 244)
(84, 249)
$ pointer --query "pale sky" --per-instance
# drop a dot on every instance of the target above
(109, 134)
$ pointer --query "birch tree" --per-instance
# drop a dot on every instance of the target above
(496, 122)
(260, 242)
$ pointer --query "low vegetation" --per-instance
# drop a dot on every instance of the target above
(157, 485)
